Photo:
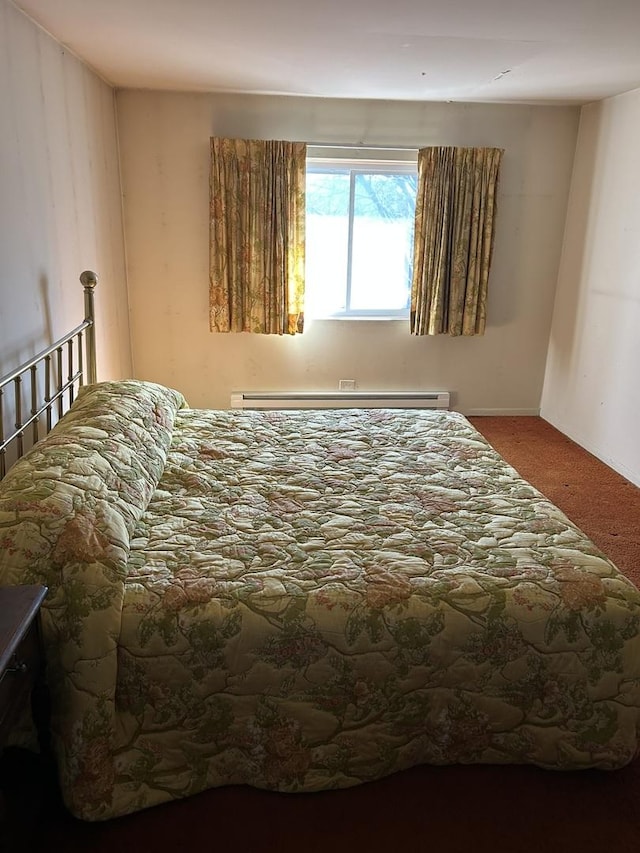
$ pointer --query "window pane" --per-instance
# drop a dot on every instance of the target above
(327, 239)
(382, 251)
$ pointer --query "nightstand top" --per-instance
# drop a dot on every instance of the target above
(18, 608)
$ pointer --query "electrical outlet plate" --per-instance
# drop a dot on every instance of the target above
(346, 385)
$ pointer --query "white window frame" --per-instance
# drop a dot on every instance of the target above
(367, 161)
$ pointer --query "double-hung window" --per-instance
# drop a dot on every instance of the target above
(359, 234)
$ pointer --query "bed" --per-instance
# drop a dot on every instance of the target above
(306, 600)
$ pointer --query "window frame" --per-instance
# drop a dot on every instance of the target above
(361, 161)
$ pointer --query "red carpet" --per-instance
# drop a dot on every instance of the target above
(597, 499)
(444, 809)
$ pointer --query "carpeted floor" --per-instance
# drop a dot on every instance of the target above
(597, 499)
(445, 809)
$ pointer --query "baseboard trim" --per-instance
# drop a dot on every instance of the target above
(613, 463)
(497, 412)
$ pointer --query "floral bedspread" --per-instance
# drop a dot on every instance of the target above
(310, 600)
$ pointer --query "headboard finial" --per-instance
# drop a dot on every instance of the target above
(88, 279)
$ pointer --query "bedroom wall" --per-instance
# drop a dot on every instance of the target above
(60, 201)
(591, 389)
(164, 141)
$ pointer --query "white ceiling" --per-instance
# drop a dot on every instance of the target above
(564, 51)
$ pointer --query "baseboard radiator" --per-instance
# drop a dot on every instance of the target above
(342, 400)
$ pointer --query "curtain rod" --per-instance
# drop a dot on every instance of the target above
(359, 145)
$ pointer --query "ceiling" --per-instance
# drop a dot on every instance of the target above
(549, 51)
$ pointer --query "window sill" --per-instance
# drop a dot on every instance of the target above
(359, 317)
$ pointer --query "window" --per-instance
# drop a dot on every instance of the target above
(359, 237)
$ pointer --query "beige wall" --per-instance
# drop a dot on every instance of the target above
(60, 202)
(164, 141)
(60, 212)
(592, 384)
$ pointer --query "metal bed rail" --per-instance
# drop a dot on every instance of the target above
(80, 363)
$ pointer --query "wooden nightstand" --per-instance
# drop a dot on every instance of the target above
(21, 664)
(20, 651)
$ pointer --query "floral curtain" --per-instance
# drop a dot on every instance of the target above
(257, 204)
(453, 242)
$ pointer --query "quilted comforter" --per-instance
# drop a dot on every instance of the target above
(306, 600)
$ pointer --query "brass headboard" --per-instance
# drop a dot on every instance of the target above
(48, 366)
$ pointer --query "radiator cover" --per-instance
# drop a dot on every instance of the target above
(341, 400)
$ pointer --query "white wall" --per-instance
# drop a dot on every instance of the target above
(164, 142)
(60, 202)
(592, 383)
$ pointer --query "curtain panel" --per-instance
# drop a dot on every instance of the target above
(257, 224)
(453, 240)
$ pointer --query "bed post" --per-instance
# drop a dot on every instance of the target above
(89, 280)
